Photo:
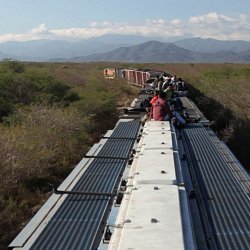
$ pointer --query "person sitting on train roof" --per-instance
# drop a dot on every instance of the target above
(181, 85)
(166, 77)
(147, 105)
(168, 92)
(173, 79)
(166, 84)
(160, 109)
(155, 97)
(160, 83)
(178, 120)
(154, 84)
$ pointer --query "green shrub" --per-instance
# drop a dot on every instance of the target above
(13, 66)
(24, 89)
(46, 141)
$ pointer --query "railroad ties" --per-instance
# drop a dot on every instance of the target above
(74, 216)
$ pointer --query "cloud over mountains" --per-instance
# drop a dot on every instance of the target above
(211, 25)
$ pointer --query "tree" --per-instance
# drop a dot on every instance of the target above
(14, 66)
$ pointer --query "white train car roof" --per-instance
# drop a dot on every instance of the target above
(154, 212)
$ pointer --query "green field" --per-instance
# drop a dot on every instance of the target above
(51, 113)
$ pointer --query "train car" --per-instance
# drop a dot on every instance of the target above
(120, 73)
(109, 73)
(141, 78)
(129, 75)
(136, 77)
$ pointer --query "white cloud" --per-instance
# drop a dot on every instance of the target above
(39, 32)
(176, 22)
(41, 29)
(101, 24)
(210, 25)
(156, 22)
(218, 26)
(210, 18)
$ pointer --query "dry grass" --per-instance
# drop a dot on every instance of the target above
(44, 141)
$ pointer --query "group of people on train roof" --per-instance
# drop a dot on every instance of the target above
(159, 107)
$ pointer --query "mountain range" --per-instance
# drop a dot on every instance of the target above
(124, 48)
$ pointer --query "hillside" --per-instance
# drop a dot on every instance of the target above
(3, 56)
(152, 51)
(212, 45)
(158, 52)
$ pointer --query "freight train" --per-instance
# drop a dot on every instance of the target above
(148, 185)
(136, 77)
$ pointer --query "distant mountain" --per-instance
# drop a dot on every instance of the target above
(35, 49)
(128, 48)
(152, 51)
(44, 50)
(4, 56)
(211, 45)
(124, 39)
(157, 52)
(40, 50)
(243, 56)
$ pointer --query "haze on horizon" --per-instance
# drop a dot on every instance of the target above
(80, 19)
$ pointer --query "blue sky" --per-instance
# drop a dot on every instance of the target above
(22, 20)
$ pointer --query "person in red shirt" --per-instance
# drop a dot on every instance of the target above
(155, 97)
(160, 109)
